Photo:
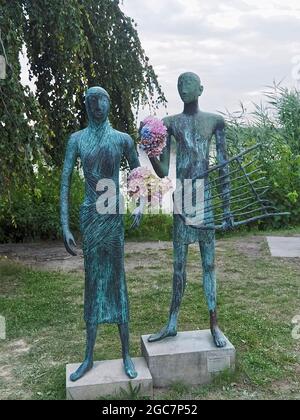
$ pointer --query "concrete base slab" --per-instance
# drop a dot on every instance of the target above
(107, 378)
(191, 358)
(284, 247)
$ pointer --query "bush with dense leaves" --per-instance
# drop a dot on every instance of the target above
(28, 214)
(276, 128)
(33, 212)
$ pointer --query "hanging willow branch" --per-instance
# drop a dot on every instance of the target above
(70, 45)
(4, 51)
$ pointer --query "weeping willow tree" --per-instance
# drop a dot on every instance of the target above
(70, 45)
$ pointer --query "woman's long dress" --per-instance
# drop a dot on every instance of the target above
(101, 151)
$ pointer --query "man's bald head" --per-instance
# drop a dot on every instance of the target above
(189, 76)
(189, 87)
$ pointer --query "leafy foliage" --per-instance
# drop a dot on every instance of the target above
(85, 43)
(22, 125)
(132, 393)
(276, 127)
(70, 45)
(33, 212)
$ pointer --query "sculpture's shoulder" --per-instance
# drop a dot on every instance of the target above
(74, 142)
(75, 137)
(123, 139)
(216, 121)
(171, 120)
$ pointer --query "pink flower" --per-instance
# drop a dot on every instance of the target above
(153, 136)
(142, 183)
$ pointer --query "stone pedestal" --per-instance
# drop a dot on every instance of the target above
(108, 378)
(284, 247)
(191, 358)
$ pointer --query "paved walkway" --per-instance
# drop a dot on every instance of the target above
(284, 247)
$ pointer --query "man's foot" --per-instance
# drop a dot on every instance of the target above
(130, 368)
(164, 333)
(219, 338)
(82, 370)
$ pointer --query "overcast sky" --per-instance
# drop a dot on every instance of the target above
(236, 46)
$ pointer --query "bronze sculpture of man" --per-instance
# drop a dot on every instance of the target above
(193, 131)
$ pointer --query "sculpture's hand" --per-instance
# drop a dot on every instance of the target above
(136, 217)
(228, 221)
(70, 243)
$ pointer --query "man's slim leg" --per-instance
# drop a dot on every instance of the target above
(179, 284)
(210, 289)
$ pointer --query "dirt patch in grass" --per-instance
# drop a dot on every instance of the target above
(18, 347)
(252, 247)
(52, 256)
(11, 366)
(6, 373)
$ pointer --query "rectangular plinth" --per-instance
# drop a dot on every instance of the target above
(191, 358)
(107, 378)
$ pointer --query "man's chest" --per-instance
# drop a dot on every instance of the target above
(194, 144)
(193, 135)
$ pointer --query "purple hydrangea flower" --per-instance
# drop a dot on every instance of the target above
(153, 136)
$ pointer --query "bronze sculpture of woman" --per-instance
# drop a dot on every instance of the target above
(101, 149)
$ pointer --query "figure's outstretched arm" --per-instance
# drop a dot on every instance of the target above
(70, 159)
(162, 165)
(224, 171)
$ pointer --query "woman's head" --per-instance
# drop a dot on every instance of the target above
(97, 102)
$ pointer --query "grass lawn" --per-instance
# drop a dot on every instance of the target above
(258, 298)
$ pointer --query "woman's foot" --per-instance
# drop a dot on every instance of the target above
(130, 368)
(82, 370)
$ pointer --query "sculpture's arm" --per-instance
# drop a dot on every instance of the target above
(134, 162)
(131, 154)
(70, 159)
(224, 171)
(162, 165)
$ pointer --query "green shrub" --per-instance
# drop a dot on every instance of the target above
(156, 227)
(276, 127)
(32, 211)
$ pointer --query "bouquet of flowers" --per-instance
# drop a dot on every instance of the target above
(142, 183)
(153, 136)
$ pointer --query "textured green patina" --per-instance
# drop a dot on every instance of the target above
(193, 131)
(100, 149)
